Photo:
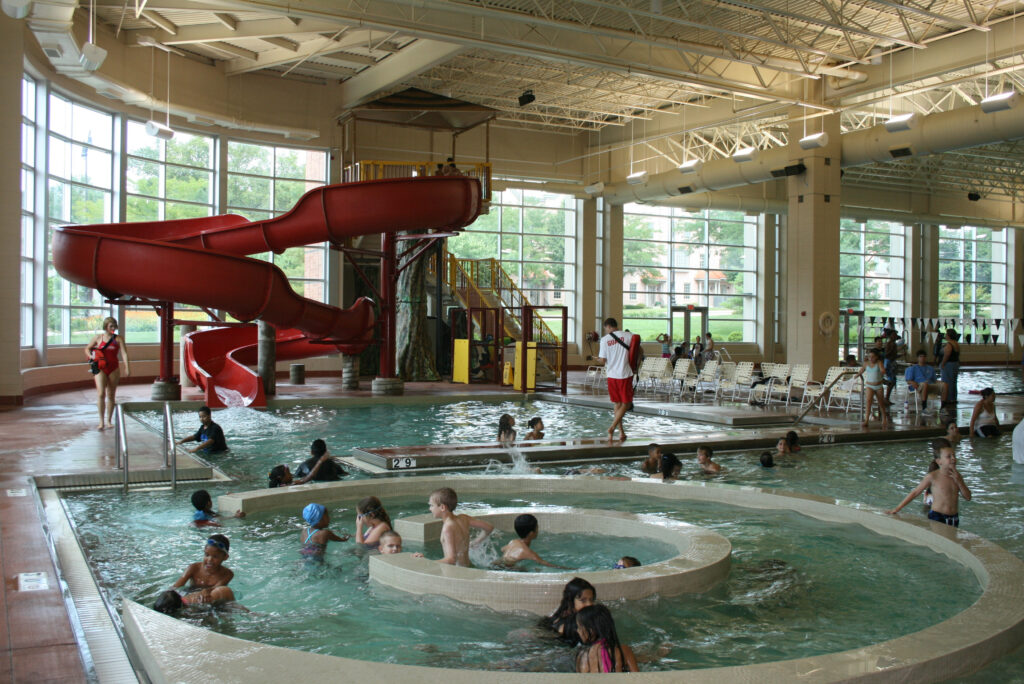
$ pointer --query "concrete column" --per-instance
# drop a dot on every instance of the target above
(812, 250)
(766, 285)
(586, 274)
(928, 255)
(613, 247)
(1015, 291)
(266, 359)
(184, 379)
(11, 67)
(349, 372)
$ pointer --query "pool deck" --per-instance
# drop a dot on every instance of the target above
(52, 441)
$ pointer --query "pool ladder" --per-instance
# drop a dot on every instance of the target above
(169, 447)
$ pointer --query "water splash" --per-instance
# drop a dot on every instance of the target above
(486, 554)
(520, 466)
(229, 397)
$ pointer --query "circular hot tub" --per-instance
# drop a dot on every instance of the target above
(701, 560)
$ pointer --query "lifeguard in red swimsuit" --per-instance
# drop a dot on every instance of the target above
(107, 351)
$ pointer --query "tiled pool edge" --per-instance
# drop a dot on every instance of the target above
(988, 629)
(702, 560)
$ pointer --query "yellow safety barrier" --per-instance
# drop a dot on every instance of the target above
(460, 364)
(507, 375)
(526, 367)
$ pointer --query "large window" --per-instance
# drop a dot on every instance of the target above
(28, 217)
(871, 267)
(972, 272)
(164, 180)
(266, 181)
(675, 258)
(533, 234)
(80, 190)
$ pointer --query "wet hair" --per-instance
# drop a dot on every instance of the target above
(706, 449)
(953, 424)
(565, 615)
(206, 410)
(597, 621)
(504, 425)
(533, 422)
(670, 465)
(651, 447)
(390, 533)
(275, 478)
(792, 439)
(525, 524)
(372, 507)
(767, 459)
(201, 499)
(318, 448)
(168, 602)
(611, 323)
(221, 539)
(987, 392)
(446, 497)
(630, 562)
(940, 443)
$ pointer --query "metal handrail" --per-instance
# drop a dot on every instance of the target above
(825, 391)
(170, 447)
(121, 440)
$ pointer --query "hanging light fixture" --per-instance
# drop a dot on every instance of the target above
(92, 54)
(153, 127)
(1000, 102)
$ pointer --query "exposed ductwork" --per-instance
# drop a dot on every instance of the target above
(932, 134)
(52, 22)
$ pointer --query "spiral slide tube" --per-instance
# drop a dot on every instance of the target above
(201, 262)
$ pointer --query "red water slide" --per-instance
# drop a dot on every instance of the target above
(200, 262)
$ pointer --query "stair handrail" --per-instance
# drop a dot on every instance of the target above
(170, 447)
(825, 391)
(499, 282)
(121, 442)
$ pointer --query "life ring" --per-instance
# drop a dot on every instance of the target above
(827, 323)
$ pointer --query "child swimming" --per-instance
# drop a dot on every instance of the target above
(577, 594)
(316, 536)
(652, 464)
(708, 466)
(204, 516)
(506, 435)
(536, 426)
(376, 521)
(670, 467)
(606, 654)
(455, 530)
(527, 528)
(390, 542)
(208, 579)
(767, 459)
(793, 440)
(627, 562)
(947, 486)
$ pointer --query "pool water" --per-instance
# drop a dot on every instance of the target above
(580, 552)
(798, 587)
(259, 440)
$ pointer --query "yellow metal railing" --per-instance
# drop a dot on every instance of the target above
(377, 170)
(469, 277)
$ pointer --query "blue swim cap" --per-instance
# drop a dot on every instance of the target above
(313, 513)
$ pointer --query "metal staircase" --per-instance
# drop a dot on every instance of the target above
(483, 283)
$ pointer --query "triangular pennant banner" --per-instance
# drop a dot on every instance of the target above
(871, 320)
(1020, 339)
(933, 336)
(984, 338)
(995, 337)
(967, 338)
(998, 323)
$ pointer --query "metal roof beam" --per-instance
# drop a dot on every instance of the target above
(398, 68)
(258, 28)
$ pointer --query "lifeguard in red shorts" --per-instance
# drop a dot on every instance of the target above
(614, 355)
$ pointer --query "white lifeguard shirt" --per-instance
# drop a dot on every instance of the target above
(1018, 442)
(616, 356)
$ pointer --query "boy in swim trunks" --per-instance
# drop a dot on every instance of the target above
(316, 535)
(455, 530)
(208, 579)
(519, 549)
(947, 486)
(652, 464)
